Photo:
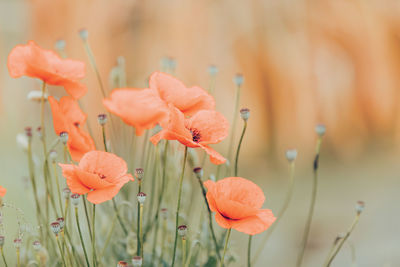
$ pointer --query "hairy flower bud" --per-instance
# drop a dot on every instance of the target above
(198, 171)
(122, 264)
(17, 243)
(139, 173)
(238, 79)
(61, 222)
(53, 155)
(36, 245)
(137, 261)
(66, 193)
(245, 114)
(320, 129)
(164, 213)
(212, 70)
(84, 34)
(60, 44)
(55, 227)
(141, 197)
(360, 206)
(75, 199)
(102, 119)
(182, 230)
(64, 137)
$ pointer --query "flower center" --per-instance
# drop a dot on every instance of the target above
(195, 135)
(101, 176)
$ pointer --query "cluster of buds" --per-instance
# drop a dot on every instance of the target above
(245, 114)
(64, 137)
(139, 173)
(291, 155)
(55, 227)
(102, 119)
(182, 231)
(75, 199)
(320, 129)
(137, 261)
(198, 171)
(141, 197)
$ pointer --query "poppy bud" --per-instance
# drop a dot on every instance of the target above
(198, 171)
(360, 206)
(60, 44)
(64, 137)
(84, 34)
(28, 132)
(139, 173)
(55, 227)
(22, 141)
(320, 130)
(212, 70)
(39, 131)
(291, 155)
(238, 79)
(102, 119)
(2, 238)
(17, 243)
(75, 199)
(36, 96)
(182, 230)
(53, 155)
(66, 193)
(61, 222)
(36, 245)
(122, 264)
(172, 63)
(137, 261)
(245, 114)
(141, 197)
(164, 213)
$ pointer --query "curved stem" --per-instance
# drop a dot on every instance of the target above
(312, 205)
(4, 257)
(179, 205)
(225, 247)
(80, 236)
(119, 217)
(249, 251)
(281, 213)
(109, 235)
(238, 148)
(58, 187)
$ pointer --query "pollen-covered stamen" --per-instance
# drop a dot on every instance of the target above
(196, 136)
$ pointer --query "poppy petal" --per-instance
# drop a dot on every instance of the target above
(73, 113)
(233, 209)
(254, 224)
(79, 143)
(210, 185)
(60, 123)
(73, 182)
(215, 157)
(212, 126)
(91, 180)
(223, 222)
(101, 195)
(3, 191)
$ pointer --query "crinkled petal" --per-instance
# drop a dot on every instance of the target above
(73, 113)
(222, 221)
(91, 180)
(211, 124)
(254, 224)
(104, 194)
(60, 121)
(215, 157)
(233, 209)
(210, 185)
(73, 181)
(79, 143)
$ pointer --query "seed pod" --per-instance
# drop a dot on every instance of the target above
(291, 155)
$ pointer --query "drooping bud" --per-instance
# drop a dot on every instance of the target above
(2, 239)
(84, 34)
(36, 245)
(212, 70)
(64, 137)
(55, 227)
(75, 199)
(360, 206)
(164, 213)
(139, 173)
(238, 79)
(137, 261)
(17, 243)
(182, 230)
(320, 129)
(245, 114)
(61, 222)
(122, 264)
(141, 197)
(291, 155)
(102, 119)
(53, 155)
(36, 96)
(60, 44)
(198, 171)
(66, 193)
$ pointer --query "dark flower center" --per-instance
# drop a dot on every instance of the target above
(101, 176)
(195, 135)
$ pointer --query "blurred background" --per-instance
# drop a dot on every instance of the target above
(335, 62)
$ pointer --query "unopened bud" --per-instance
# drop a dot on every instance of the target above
(2, 238)
(102, 119)
(238, 79)
(182, 230)
(139, 173)
(60, 44)
(198, 171)
(28, 132)
(291, 155)
(61, 222)
(84, 34)
(64, 137)
(53, 155)
(320, 129)
(164, 213)
(245, 114)
(55, 227)
(122, 264)
(36, 96)
(36, 245)
(75, 199)
(212, 69)
(66, 193)
(17, 243)
(137, 261)
(141, 197)
(360, 206)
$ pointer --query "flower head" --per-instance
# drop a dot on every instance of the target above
(203, 128)
(33, 61)
(67, 118)
(237, 204)
(99, 174)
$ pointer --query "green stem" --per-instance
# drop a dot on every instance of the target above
(141, 230)
(183, 251)
(87, 217)
(119, 217)
(238, 148)
(94, 236)
(312, 205)
(4, 257)
(80, 236)
(61, 252)
(109, 235)
(138, 220)
(249, 251)
(103, 130)
(163, 234)
(225, 247)
(58, 187)
(179, 205)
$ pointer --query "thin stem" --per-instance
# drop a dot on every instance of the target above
(58, 187)
(179, 205)
(138, 220)
(61, 251)
(225, 247)
(343, 240)
(109, 235)
(163, 234)
(203, 190)
(103, 130)
(18, 258)
(281, 213)
(141, 230)
(4, 257)
(94, 236)
(94, 66)
(80, 236)
(42, 101)
(119, 217)
(312, 205)
(238, 148)
(87, 217)
(183, 251)
(249, 251)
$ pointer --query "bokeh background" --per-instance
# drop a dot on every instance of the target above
(305, 62)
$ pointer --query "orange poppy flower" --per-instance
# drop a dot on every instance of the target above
(68, 117)
(189, 100)
(3, 191)
(99, 174)
(203, 128)
(237, 204)
(142, 109)
(33, 61)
